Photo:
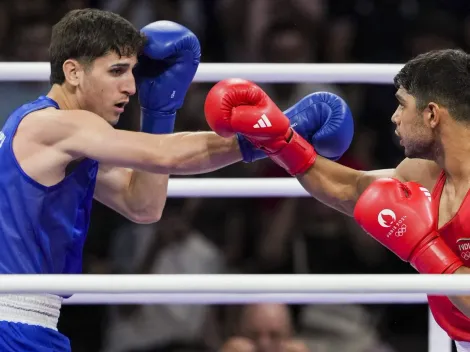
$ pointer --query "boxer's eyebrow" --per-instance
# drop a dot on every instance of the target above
(121, 65)
(400, 98)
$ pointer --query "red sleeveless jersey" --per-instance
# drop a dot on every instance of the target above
(456, 234)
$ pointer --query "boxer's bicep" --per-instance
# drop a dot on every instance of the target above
(112, 188)
(383, 173)
(367, 177)
(421, 171)
(401, 172)
(417, 170)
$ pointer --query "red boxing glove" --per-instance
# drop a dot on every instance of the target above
(240, 106)
(399, 215)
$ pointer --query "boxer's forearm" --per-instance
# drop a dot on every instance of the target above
(332, 184)
(462, 302)
(339, 186)
(192, 153)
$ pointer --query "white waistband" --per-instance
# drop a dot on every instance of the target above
(41, 310)
(462, 346)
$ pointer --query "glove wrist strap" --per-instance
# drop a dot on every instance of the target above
(296, 157)
(158, 122)
(436, 258)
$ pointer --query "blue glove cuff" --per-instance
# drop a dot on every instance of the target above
(249, 153)
(158, 122)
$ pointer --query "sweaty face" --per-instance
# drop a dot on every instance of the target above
(106, 86)
(415, 136)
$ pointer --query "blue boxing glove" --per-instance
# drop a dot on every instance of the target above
(323, 119)
(164, 73)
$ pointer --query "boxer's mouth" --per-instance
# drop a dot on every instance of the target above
(120, 105)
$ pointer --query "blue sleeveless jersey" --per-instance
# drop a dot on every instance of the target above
(42, 229)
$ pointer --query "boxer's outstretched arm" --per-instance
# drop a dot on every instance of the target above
(134, 166)
(339, 186)
(185, 153)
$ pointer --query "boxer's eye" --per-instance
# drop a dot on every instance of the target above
(116, 71)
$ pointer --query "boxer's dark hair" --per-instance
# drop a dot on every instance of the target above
(439, 76)
(88, 34)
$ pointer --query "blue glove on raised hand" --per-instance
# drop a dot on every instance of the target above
(323, 119)
(164, 73)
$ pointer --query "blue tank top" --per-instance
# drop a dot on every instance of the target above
(42, 229)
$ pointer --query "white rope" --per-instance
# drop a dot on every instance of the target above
(228, 298)
(258, 72)
(235, 187)
(234, 284)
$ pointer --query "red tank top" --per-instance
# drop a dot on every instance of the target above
(456, 233)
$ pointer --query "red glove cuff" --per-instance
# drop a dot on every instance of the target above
(436, 258)
(296, 156)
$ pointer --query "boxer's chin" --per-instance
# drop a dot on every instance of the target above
(417, 151)
(113, 118)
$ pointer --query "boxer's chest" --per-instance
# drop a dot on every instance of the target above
(453, 222)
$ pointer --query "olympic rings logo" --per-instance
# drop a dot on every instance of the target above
(465, 255)
(401, 231)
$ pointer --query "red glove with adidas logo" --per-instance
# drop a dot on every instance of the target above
(240, 106)
(399, 215)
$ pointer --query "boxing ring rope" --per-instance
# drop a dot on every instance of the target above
(258, 72)
(238, 284)
(229, 289)
(235, 187)
(239, 298)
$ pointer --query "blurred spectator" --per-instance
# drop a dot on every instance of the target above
(340, 327)
(245, 21)
(288, 42)
(172, 247)
(435, 30)
(265, 328)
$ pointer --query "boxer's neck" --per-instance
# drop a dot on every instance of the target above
(453, 153)
(63, 96)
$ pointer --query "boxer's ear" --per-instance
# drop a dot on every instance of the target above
(72, 71)
(432, 114)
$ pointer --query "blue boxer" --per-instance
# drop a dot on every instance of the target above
(60, 152)
(43, 230)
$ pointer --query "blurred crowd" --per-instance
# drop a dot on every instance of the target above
(243, 235)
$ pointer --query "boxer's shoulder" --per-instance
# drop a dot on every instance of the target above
(49, 126)
(424, 172)
(36, 128)
(50, 135)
